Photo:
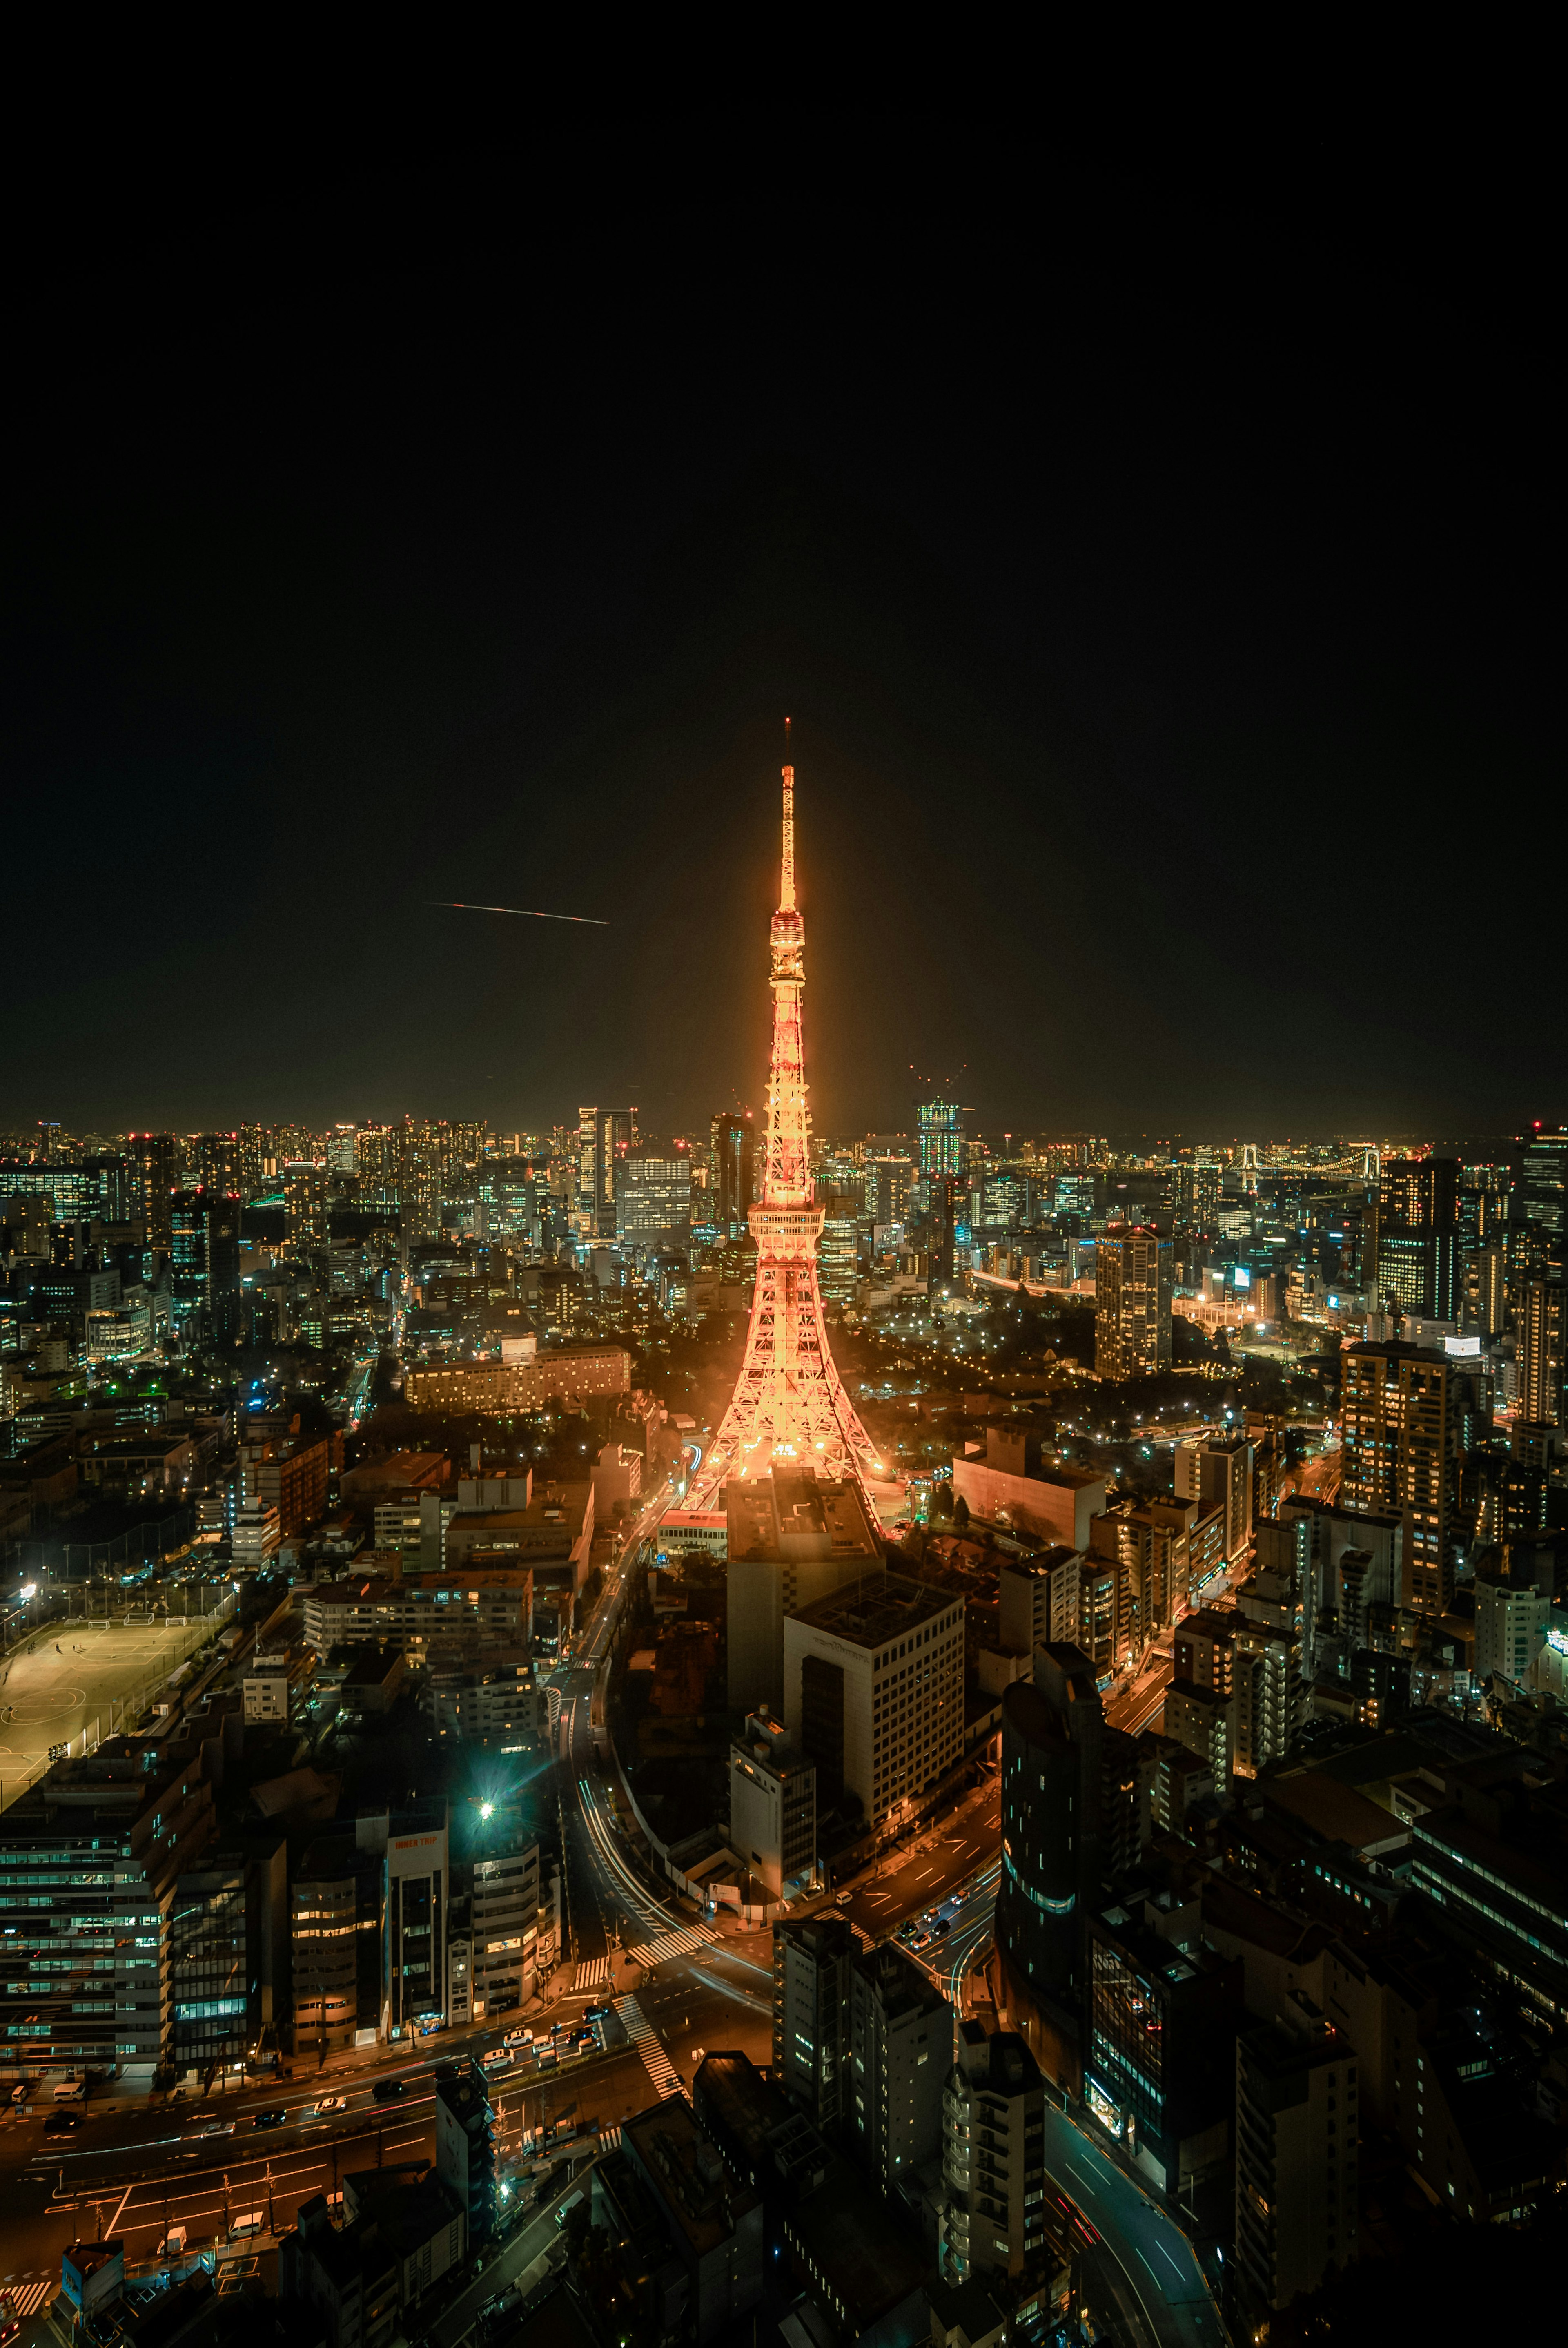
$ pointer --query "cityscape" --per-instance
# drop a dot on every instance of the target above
(554, 1674)
(783, 1273)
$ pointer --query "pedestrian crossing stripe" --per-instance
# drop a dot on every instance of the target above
(591, 1972)
(28, 2297)
(661, 2070)
(680, 1942)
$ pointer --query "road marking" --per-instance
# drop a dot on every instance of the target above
(661, 2070)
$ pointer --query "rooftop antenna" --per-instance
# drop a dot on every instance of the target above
(786, 885)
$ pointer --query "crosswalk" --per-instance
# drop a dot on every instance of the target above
(661, 2070)
(591, 1972)
(680, 1942)
(29, 2295)
(609, 2138)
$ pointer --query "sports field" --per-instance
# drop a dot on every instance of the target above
(71, 1678)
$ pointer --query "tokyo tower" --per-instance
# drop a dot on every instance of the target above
(789, 1407)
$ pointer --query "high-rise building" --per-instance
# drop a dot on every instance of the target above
(733, 1179)
(156, 1157)
(1418, 1258)
(1133, 1280)
(1296, 2154)
(1510, 1624)
(605, 1139)
(1540, 1324)
(901, 2048)
(1400, 1455)
(772, 1806)
(1052, 1734)
(1196, 1194)
(992, 2213)
(652, 1205)
(465, 2144)
(1540, 1204)
(812, 1964)
(1216, 1471)
(789, 1402)
(943, 1147)
(888, 1184)
(204, 1265)
(838, 1260)
(874, 1691)
(304, 1206)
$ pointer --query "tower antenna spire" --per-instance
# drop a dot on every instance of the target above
(786, 873)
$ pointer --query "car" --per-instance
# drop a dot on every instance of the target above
(62, 2123)
(518, 2038)
(599, 2013)
(328, 2104)
(384, 2090)
(216, 2127)
(19, 2093)
(499, 2058)
(270, 2119)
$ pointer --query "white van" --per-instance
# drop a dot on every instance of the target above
(71, 2091)
(248, 2223)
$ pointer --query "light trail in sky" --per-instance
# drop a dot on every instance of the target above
(456, 905)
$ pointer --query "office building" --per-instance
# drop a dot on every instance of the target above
(993, 2158)
(156, 1158)
(874, 1691)
(1296, 2154)
(773, 1807)
(1053, 1761)
(253, 1544)
(1157, 2073)
(1216, 1472)
(791, 1539)
(1132, 1281)
(412, 1845)
(466, 2146)
(653, 1203)
(712, 2219)
(90, 1855)
(1510, 1626)
(505, 1925)
(1400, 1455)
(1538, 1213)
(838, 1260)
(214, 1968)
(812, 1961)
(1541, 1323)
(943, 1149)
(1419, 1242)
(338, 1925)
(605, 1139)
(734, 1187)
(204, 1265)
(901, 2048)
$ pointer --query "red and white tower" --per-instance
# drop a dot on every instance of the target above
(789, 1406)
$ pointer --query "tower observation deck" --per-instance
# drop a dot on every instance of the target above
(789, 1407)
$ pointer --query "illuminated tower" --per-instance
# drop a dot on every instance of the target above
(789, 1406)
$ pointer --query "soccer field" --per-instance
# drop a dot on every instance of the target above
(71, 1681)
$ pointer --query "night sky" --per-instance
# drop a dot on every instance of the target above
(1159, 589)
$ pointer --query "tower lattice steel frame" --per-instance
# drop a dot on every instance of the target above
(789, 1406)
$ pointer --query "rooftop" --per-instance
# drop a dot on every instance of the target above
(877, 1609)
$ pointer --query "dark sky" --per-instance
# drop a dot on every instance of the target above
(1158, 582)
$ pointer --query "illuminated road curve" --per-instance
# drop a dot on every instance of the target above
(1156, 2260)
